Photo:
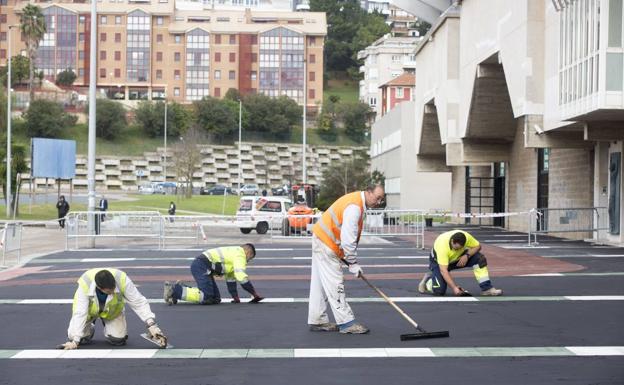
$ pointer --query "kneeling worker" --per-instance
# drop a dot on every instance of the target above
(454, 250)
(102, 293)
(229, 262)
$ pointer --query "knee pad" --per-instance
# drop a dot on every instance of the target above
(116, 341)
(482, 261)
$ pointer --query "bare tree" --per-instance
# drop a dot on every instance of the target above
(187, 158)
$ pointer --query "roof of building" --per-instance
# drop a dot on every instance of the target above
(405, 79)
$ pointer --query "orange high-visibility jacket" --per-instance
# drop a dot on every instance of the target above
(327, 229)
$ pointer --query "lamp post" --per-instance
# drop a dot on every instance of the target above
(305, 102)
(240, 151)
(8, 149)
(91, 138)
(165, 155)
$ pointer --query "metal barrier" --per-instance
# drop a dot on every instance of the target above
(292, 226)
(390, 223)
(139, 225)
(180, 229)
(590, 220)
(11, 240)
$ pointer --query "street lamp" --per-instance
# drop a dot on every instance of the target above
(240, 151)
(165, 155)
(305, 102)
(91, 137)
(8, 151)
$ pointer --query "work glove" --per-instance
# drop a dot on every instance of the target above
(235, 299)
(157, 334)
(69, 345)
(256, 299)
(356, 270)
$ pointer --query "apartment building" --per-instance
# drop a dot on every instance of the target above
(397, 90)
(181, 51)
(522, 102)
(387, 58)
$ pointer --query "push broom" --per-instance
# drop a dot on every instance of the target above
(421, 334)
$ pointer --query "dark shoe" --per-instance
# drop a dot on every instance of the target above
(326, 327)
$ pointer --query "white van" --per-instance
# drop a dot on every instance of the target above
(261, 213)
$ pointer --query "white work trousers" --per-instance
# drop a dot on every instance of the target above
(327, 285)
(116, 327)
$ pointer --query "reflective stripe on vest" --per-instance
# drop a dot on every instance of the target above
(113, 307)
(328, 227)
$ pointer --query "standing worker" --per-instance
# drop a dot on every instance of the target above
(103, 206)
(63, 208)
(102, 293)
(230, 262)
(453, 250)
(335, 240)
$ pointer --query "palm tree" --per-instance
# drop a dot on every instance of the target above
(33, 27)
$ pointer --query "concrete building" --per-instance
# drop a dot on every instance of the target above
(385, 59)
(397, 90)
(397, 18)
(523, 102)
(180, 50)
(393, 146)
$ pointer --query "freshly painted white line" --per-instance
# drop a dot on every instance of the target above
(510, 235)
(39, 353)
(91, 260)
(132, 353)
(317, 353)
(409, 352)
(596, 350)
(39, 301)
(595, 297)
(586, 256)
(363, 352)
(523, 247)
(542, 275)
(86, 353)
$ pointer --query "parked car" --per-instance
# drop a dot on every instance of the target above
(261, 213)
(216, 190)
(250, 189)
(279, 191)
(151, 188)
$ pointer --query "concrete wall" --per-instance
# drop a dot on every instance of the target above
(521, 180)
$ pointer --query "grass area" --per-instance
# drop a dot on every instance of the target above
(132, 142)
(198, 204)
(346, 89)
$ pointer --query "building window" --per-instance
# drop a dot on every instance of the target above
(81, 36)
(217, 92)
(117, 38)
(159, 20)
(138, 43)
(372, 101)
(396, 58)
(102, 55)
(103, 36)
(81, 55)
(254, 39)
(217, 74)
(117, 55)
(3, 18)
(254, 57)
(3, 36)
(159, 38)
(177, 39)
(159, 56)
(311, 41)
(2, 53)
(399, 92)
(232, 57)
(312, 76)
(177, 57)
(232, 39)
(254, 75)
(176, 91)
(81, 19)
(103, 20)
(311, 93)
(117, 20)
(281, 59)
(217, 57)
(217, 39)
(117, 72)
(197, 64)
(176, 74)
(81, 72)
(102, 72)
(312, 58)
(158, 74)
(232, 75)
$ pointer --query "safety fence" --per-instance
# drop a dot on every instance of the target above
(11, 242)
(586, 222)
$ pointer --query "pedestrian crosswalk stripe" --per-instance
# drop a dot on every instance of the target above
(225, 301)
(288, 353)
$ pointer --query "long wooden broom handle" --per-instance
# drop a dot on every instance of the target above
(391, 302)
